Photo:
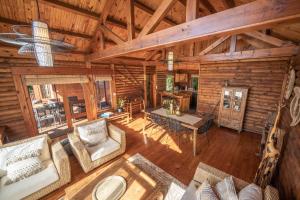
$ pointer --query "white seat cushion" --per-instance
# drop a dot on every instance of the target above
(94, 133)
(103, 149)
(27, 186)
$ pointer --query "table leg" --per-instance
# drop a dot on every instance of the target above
(144, 127)
(195, 142)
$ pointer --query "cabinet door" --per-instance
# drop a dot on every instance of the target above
(226, 104)
(238, 106)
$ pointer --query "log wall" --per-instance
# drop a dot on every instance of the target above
(10, 112)
(288, 174)
(264, 80)
(129, 80)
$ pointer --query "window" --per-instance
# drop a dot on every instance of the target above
(169, 83)
(104, 98)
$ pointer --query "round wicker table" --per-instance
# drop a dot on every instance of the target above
(110, 188)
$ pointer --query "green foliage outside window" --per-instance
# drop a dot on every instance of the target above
(169, 83)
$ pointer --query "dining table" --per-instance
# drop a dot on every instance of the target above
(191, 121)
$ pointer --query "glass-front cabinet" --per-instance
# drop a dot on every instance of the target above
(232, 107)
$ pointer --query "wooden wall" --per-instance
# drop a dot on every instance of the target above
(129, 80)
(264, 80)
(288, 176)
(10, 111)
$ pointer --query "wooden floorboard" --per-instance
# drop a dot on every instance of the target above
(225, 149)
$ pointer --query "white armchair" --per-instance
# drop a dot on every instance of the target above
(91, 157)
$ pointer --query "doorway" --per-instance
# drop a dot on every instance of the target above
(194, 86)
(150, 90)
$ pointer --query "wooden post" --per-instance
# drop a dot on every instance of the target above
(113, 87)
(232, 44)
(154, 89)
(89, 93)
(145, 86)
(130, 19)
(198, 92)
(25, 104)
(67, 107)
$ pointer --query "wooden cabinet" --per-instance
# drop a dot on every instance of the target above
(181, 78)
(232, 107)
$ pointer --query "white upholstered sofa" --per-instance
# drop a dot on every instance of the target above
(213, 176)
(55, 173)
(93, 156)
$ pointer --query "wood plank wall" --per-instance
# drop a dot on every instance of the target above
(264, 80)
(161, 84)
(288, 174)
(129, 80)
(10, 111)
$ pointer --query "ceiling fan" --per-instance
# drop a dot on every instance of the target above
(35, 40)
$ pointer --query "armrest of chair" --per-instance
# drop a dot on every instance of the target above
(61, 161)
(271, 193)
(79, 150)
(116, 133)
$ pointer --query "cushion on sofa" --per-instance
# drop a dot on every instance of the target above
(22, 169)
(226, 189)
(103, 149)
(25, 150)
(93, 134)
(251, 192)
(29, 185)
(205, 192)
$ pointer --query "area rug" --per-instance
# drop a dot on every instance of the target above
(172, 188)
(144, 180)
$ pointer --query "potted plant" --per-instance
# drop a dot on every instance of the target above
(120, 104)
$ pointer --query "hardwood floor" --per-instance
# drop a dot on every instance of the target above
(226, 150)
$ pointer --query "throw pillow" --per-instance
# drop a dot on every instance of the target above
(22, 169)
(251, 192)
(226, 189)
(93, 134)
(205, 192)
(26, 150)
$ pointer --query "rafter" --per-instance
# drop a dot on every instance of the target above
(111, 35)
(191, 12)
(266, 38)
(208, 6)
(232, 44)
(150, 11)
(156, 18)
(106, 9)
(251, 16)
(244, 55)
(130, 19)
(229, 3)
(214, 45)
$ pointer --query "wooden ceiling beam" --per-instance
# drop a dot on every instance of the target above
(229, 3)
(156, 18)
(130, 19)
(252, 16)
(214, 45)
(111, 35)
(208, 6)
(244, 55)
(266, 38)
(55, 30)
(232, 44)
(106, 9)
(150, 11)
